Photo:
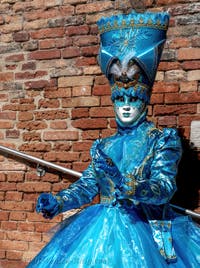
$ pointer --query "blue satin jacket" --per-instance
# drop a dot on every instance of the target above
(147, 158)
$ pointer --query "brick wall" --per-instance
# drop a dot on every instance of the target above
(55, 102)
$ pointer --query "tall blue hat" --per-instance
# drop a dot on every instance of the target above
(130, 51)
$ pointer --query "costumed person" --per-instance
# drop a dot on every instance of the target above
(133, 171)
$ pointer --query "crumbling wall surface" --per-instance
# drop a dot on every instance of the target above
(54, 100)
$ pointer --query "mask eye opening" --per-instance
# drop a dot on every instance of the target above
(119, 98)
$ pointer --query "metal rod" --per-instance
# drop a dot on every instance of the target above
(39, 161)
(68, 171)
(186, 211)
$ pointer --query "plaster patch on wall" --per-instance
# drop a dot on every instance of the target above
(195, 134)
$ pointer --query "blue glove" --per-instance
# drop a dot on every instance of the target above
(104, 166)
(48, 205)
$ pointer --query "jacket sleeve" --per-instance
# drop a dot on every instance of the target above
(79, 193)
(156, 184)
(82, 191)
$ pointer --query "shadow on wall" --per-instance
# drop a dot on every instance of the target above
(188, 178)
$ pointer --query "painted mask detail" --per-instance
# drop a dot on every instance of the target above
(129, 42)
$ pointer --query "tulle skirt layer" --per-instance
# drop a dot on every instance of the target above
(110, 237)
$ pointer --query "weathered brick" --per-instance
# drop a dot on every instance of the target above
(29, 66)
(93, 7)
(14, 245)
(14, 255)
(162, 87)
(166, 66)
(39, 84)
(6, 124)
(34, 125)
(188, 53)
(81, 91)
(101, 112)
(47, 43)
(17, 206)
(17, 215)
(44, 227)
(82, 146)
(58, 125)
(157, 98)
(8, 225)
(193, 75)
(175, 75)
(90, 134)
(85, 40)
(106, 101)
(188, 19)
(90, 51)
(4, 215)
(191, 65)
(19, 107)
(13, 196)
(174, 109)
(179, 42)
(15, 176)
(52, 103)
(188, 86)
(5, 77)
(77, 30)
(26, 226)
(195, 41)
(94, 70)
(31, 136)
(185, 120)
(75, 81)
(101, 90)
(159, 76)
(81, 102)
(107, 132)
(169, 121)
(32, 187)
(183, 31)
(57, 93)
(61, 156)
(86, 61)
(80, 166)
(15, 58)
(60, 135)
(12, 133)
(12, 166)
(8, 115)
(44, 54)
(189, 97)
(2, 177)
(48, 33)
(71, 52)
(51, 115)
(80, 113)
(90, 123)
(25, 116)
(38, 147)
(21, 36)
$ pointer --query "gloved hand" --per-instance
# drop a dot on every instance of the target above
(48, 205)
(104, 166)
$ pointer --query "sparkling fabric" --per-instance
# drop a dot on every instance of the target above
(127, 229)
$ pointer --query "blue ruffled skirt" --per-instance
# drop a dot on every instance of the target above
(110, 237)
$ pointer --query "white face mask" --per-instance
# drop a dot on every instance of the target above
(128, 109)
